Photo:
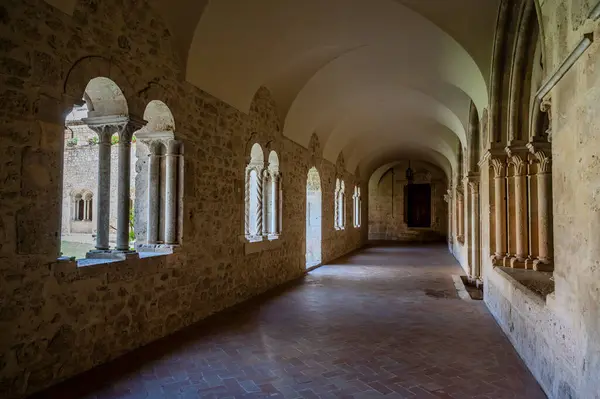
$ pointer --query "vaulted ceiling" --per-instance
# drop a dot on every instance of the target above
(372, 78)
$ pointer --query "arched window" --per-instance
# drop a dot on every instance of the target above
(88, 159)
(356, 206)
(272, 197)
(158, 206)
(79, 207)
(340, 201)
(87, 206)
(254, 195)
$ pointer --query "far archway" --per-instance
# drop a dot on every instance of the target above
(313, 218)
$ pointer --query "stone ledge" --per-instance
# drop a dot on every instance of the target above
(522, 280)
(260, 246)
(115, 269)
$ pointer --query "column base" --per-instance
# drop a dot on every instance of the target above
(517, 263)
(497, 260)
(543, 265)
(529, 263)
(506, 261)
(125, 254)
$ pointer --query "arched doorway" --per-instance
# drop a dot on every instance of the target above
(313, 218)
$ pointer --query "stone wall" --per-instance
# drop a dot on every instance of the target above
(387, 221)
(559, 337)
(56, 319)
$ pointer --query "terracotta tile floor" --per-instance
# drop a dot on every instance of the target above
(385, 322)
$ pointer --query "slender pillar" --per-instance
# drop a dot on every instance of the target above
(103, 202)
(544, 179)
(475, 266)
(124, 186)
(499, 210)
(171, 193)
(448, 199)
(521, 233)
(267, 181)
(259, 204)
(153, 194)
(86, 212)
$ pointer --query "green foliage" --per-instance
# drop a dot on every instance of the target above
(131, 225)
(72, 142)
(114, 139)
(93, 140)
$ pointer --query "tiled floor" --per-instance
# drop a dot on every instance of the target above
(385, 322)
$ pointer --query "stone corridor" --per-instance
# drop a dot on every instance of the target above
(383, 322)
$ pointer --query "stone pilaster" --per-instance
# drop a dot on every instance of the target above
(541, 152)
(498, 164)
(473, 184)
(518, 160)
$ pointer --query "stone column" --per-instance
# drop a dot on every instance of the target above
(475, 266)
(544, 188)
(259, 204)
(499, 211)
(171, 159)
(521, 226)
(266, 179)
(448, 199)
(460, 216)
(153, 194)
(124, 185)
(105, 132)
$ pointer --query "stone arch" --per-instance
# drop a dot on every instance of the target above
(90, 67)
(159, 118)
(519, 27)
(104, 97)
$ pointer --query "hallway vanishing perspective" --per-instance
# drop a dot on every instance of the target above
(383, 322)
(177, 177)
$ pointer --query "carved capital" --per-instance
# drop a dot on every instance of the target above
(447, 198)
(543, 156)
(544, 161)
(499, 165)
(519, 162)
(127, 129)
(474, 186)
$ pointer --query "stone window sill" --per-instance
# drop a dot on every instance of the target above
(273, 242)
(536, 285)
(106, 257)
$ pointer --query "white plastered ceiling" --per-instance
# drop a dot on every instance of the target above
(367, 76)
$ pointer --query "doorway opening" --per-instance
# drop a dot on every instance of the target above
(418, 205)
(313, 218)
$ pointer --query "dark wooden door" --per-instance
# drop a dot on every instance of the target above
(419, 205)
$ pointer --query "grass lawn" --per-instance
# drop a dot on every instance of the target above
(76, 249)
